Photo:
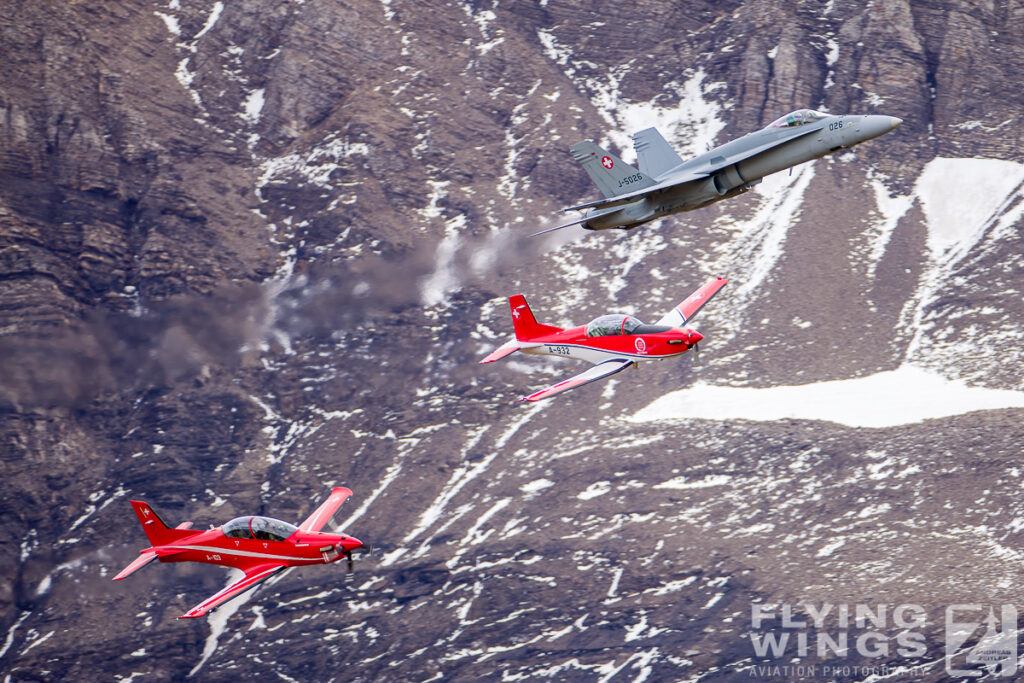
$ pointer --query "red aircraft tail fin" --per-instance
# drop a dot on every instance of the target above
(157, 532)
(525, 325)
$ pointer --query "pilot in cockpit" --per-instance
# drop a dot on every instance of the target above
(617, 323)
(797, 118)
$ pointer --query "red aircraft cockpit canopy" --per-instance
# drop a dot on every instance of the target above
(260, 528)
(797, 118)
(607, 325)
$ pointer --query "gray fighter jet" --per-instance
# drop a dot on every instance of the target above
(665, 184)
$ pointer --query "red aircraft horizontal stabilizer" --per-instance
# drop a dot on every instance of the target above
(141, 561)
(505, 349)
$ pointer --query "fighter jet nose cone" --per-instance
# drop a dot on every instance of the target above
(873, 125)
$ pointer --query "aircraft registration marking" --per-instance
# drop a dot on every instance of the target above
(630, 179)
(566, 350)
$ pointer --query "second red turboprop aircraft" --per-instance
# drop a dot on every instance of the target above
(613, 342)
(259, 546)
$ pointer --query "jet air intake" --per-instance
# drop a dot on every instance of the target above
(727, 179)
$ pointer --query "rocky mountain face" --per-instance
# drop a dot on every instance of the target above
(249, 250)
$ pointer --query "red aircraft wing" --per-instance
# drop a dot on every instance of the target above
(599, 371)
(689, 306)
(323, 514)
(253, 577)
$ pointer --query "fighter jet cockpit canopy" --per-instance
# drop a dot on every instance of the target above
(799, 117)
(260, 528)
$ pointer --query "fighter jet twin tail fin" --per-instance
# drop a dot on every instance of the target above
(654, 155)
(616, 178)
(611, 174)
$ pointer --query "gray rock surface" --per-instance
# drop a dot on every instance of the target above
(251, 250)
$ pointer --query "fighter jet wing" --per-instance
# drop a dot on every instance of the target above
(638, 194)
(323, 514)
(253, 577)
(597, 214)
(689, 306)
(599, 371)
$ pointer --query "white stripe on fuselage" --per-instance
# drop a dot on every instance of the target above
(589, 353)
(245, 553)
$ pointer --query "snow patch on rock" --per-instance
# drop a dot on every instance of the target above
(886, 399)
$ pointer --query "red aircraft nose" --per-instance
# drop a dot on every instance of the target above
(694, 337)
(350, 543)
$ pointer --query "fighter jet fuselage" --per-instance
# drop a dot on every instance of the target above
(665, 184)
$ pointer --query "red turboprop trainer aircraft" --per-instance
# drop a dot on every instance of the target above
(613, 342)
(259, 546)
